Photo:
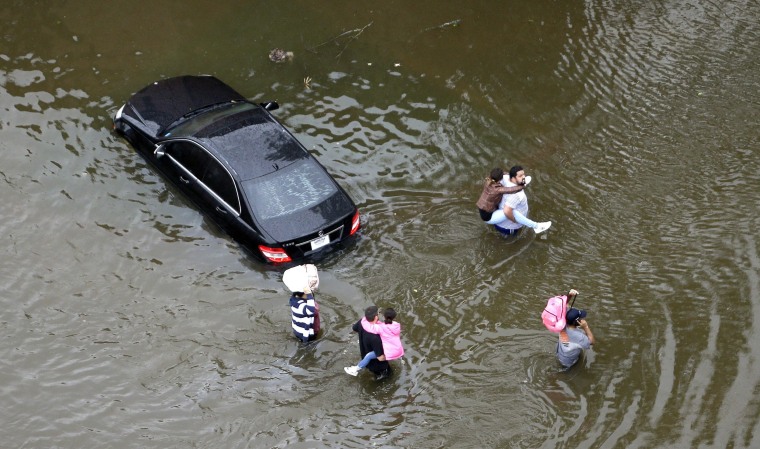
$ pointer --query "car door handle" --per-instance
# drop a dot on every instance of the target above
(221, 210)
(186, 181)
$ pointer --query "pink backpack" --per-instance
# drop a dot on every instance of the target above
(554, 313)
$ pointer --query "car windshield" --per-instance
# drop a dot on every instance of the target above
(208, 116)
(299, 186)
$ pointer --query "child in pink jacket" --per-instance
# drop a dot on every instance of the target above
(390, 334)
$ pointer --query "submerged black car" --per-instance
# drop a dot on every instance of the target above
(239, 165)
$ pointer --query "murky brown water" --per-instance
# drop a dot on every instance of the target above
(128, 320)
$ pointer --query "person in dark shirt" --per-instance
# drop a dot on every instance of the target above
(372, 342)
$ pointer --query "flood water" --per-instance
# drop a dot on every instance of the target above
(130, 321)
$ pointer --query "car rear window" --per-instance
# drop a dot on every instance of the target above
(299, 186)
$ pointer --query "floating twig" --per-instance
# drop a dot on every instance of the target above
(453, 23)
(442, 26)
(331, 40)
(353, 38)
(353, 33)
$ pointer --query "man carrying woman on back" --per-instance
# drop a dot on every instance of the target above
(389, 332)
(503, 202)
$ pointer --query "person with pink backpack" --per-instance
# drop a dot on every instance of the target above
(570, 323)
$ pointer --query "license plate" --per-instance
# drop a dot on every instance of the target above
(320, 242)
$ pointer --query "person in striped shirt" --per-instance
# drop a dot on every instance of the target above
(304, 315)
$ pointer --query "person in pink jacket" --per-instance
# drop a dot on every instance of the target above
(390, 334)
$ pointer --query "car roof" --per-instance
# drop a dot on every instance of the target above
(243, 134)
(251, 142)
(164, 102)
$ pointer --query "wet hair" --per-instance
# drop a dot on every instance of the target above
(389, 315)
(514, 170)
(497, 174)
(370, 313)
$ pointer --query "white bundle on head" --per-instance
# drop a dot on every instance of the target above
(297, 278)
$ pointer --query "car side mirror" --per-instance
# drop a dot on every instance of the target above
(159, 151)
(270, 105)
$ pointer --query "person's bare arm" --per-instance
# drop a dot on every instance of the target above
(508, 213)
(584, 326)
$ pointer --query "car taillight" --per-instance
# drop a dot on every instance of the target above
(276, 255)
(355, 222)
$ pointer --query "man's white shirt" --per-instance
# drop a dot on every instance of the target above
(517, 201)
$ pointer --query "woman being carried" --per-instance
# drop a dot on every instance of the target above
(497, 189)
(390, 334)
(488, 203)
